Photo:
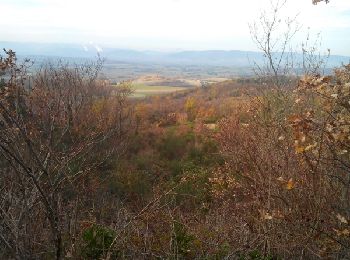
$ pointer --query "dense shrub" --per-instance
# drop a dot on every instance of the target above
(97, 240)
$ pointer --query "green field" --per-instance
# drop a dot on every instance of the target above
(141, 90)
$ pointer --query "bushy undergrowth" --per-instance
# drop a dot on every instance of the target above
(230, 171)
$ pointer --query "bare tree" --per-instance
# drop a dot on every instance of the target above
(50, 137)
(273, 34)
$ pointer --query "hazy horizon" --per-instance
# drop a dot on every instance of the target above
(165, 25)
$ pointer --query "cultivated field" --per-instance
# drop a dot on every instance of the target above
(149, 85)
(142, 90)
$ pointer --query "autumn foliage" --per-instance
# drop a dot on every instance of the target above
(235, 170)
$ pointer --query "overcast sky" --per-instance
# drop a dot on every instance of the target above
(163, 24)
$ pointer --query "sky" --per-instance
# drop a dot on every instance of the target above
(166, 24)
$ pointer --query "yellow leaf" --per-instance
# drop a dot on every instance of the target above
(290, 184)
(311, 146)
(267, 216)
(280, 179)
(299, 149)
(344, 232)
(342, 219)
(281, 138)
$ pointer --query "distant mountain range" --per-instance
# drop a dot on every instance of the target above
(234, 58)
